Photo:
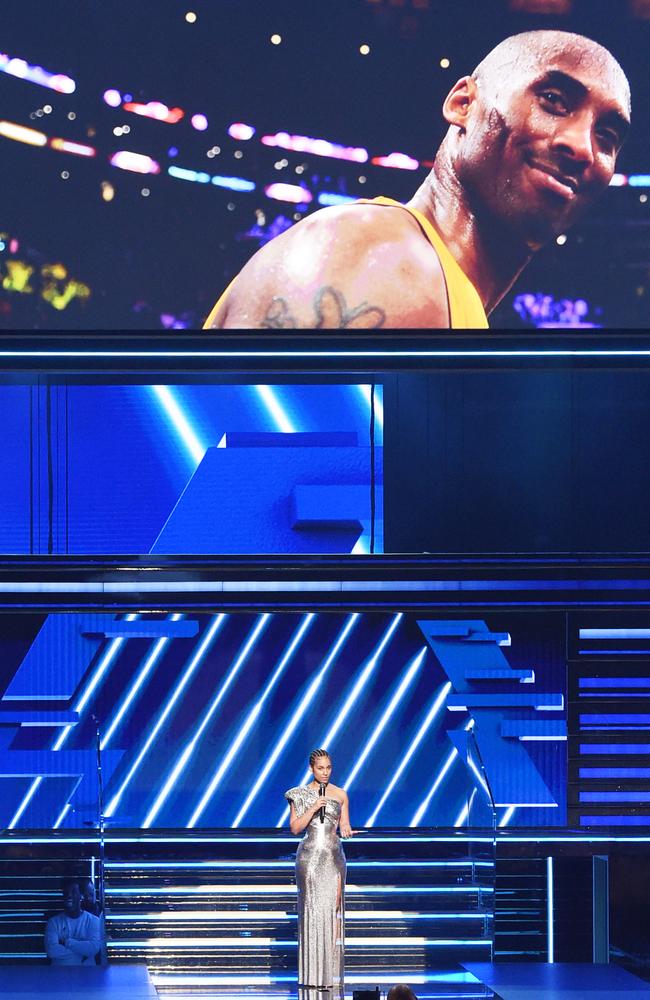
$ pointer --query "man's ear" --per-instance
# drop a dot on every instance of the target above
(459, 101)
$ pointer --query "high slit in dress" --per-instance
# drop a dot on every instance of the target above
(320, 878)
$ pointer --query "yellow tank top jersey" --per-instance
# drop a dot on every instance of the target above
(465, 307)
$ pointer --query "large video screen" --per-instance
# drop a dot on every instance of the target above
(204, 721)
(191, 468)
(151, 156)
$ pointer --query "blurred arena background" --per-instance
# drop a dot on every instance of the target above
(148, 148)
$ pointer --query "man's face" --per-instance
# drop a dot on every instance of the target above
(541, 146)
(72, 900)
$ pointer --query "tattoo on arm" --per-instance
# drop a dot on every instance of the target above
(278, 316)
(331, 312)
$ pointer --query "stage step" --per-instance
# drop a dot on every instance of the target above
(411, 905)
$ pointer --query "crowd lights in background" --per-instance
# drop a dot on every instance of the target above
(138, 163)
(399, 161)
(76, 148)
(36, 74)
(20, 133)
(293, 193)
(153, 109)
(241, 132)
(318, 147)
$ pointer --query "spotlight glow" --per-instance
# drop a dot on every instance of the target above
(113, 98)
(76, 148)
(156, 110)
(138, 163)
(199, 122)
(241, 132)
(22, 134)
(399, 160)
(289, 192)
(317, 147)
(36, 74)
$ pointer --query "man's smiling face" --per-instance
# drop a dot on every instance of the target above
(542, 136)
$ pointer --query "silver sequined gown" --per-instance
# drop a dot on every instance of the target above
(320, 870)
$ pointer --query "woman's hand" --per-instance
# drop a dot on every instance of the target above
(346, 831)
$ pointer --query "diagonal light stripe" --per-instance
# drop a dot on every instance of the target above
(253, 715)
(463, 815)
(62, 815)
(297, 716)
(147, 666)
(350, 701)
(187, 753)
(440, 777)
(397, 697)
(194, 662)
(272, 403)
(105, 661)
(103, 665)
(507, 816)
(196, 449)
(31, 792)
(434, 711)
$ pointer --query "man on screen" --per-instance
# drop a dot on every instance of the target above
(532, 142)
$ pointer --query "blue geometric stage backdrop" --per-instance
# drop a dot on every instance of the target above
(206, 719)
(193, 468)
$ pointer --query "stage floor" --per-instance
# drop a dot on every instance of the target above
(109, 982)
(501, 981)
(560, 981)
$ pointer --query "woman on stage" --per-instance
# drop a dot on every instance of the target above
(319, 808)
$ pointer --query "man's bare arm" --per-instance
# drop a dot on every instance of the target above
(360, 267)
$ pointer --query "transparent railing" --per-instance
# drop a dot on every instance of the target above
(481, 824)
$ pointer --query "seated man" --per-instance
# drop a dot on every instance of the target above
(72, 937)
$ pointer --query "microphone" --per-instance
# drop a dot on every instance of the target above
(321, 791)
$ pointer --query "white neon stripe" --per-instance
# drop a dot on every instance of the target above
(507, 816)
(31, 791)
(431, 715)
(361, 682)
(169, 403)
(269, 942)
(270, 400)
(284, 889)
(434, 788)
(132, 866)
(147, 666)
(614, 633)
(114, 647)
(252, 916)
(253, 715)
(297, 717)
(111, 652)
(549, 911)
(402, 688)
(252, 353)
(184, 758)
(379, 405)
(62, 815)
(462, 815)
(194, 662)
(479, 777)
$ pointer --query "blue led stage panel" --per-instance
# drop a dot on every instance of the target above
(198, 469)
(205, 720)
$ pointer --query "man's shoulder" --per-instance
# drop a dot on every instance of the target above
(361, 264)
